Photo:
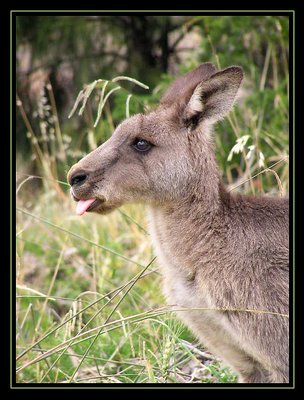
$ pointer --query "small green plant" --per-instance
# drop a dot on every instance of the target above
(220, 373)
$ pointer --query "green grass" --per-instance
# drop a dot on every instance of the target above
(86, 313)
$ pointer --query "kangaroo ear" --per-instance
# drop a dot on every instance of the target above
(213, 99)
(182, 88)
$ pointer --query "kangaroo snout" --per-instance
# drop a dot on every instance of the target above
(77, 177)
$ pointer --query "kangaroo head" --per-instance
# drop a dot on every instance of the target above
(161, 156)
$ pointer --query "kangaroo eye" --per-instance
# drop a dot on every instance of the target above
(142, 145)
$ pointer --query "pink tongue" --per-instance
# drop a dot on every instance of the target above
(83, 205)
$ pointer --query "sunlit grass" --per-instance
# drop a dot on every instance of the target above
(83, 295)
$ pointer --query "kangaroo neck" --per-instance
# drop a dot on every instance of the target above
(197, 209)
(189, 233)
(203, 202)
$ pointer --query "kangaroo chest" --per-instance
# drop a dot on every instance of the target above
(178, 268)
(187, 289)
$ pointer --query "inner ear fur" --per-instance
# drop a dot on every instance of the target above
(212, 99)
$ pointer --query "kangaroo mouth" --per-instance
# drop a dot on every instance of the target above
(87, 205)
(99, 206)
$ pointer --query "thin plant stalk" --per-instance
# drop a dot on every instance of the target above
(109, 326)
(49, 291)
(112, 292)
(79, 237)
(261, 172)
(81, 331)
(101, 105)
(109, 316)
(56, 120)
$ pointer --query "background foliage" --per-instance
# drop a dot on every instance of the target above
(75, 276)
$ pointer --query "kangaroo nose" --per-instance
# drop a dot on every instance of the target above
(77, 178)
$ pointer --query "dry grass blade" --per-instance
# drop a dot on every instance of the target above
(109, 316)
(281, 189)
(79, 237)
(56, 119)
(43, 178)
(259, 173)
(86, 95)
(128, 105)
(101, 100)
(36, 292)
(43, 309)
(133, 221)
(127, 78)
(22, 183)
(28, 311)
(78, 100)
(101, 106)
(112, 297)
(109, 326)
(111, 293)
(242, 310)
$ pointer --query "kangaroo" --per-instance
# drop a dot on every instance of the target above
(223, 252)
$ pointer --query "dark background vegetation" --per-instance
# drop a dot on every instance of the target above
(69, 51)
